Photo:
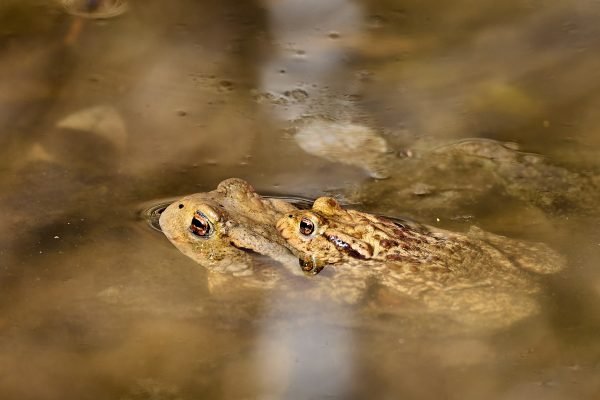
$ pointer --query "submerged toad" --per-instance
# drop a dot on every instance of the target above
(456, 178)
(217, 229)
(468, 274)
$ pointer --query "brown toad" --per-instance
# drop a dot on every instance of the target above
(217, 229)
(329, 234)
(467, 274)
(457, 178)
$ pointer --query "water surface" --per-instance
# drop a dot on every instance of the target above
(99, 118)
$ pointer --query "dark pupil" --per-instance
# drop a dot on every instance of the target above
(200, 225)
(306, 226)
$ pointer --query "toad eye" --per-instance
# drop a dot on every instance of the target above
(306, 226)
(200, 225)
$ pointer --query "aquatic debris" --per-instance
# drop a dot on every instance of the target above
(95, 9)
(101, 120)
(346, 143)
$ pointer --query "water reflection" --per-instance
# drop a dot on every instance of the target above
(310, 52)
(311, 87)
(97, 117)
(308, 358)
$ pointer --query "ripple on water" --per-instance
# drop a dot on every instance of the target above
(96, 9)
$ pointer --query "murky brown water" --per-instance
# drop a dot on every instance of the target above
(99, 118)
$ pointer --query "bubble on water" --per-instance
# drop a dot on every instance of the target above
(296, 94)
(226, 85)
(300, 54)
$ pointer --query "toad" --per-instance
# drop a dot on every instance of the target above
(457, 177)
(466, 274)
(219, 229)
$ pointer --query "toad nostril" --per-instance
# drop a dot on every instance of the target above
(180, 206)
(290, 216)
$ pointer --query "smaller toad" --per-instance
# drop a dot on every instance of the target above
(329, 234)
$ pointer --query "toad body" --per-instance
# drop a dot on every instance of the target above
(329, 234)
(457, 177)
(476, 272)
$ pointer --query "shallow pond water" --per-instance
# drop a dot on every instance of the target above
(102, 117)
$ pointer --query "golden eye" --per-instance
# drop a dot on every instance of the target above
(306, 226)
(200, 225)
